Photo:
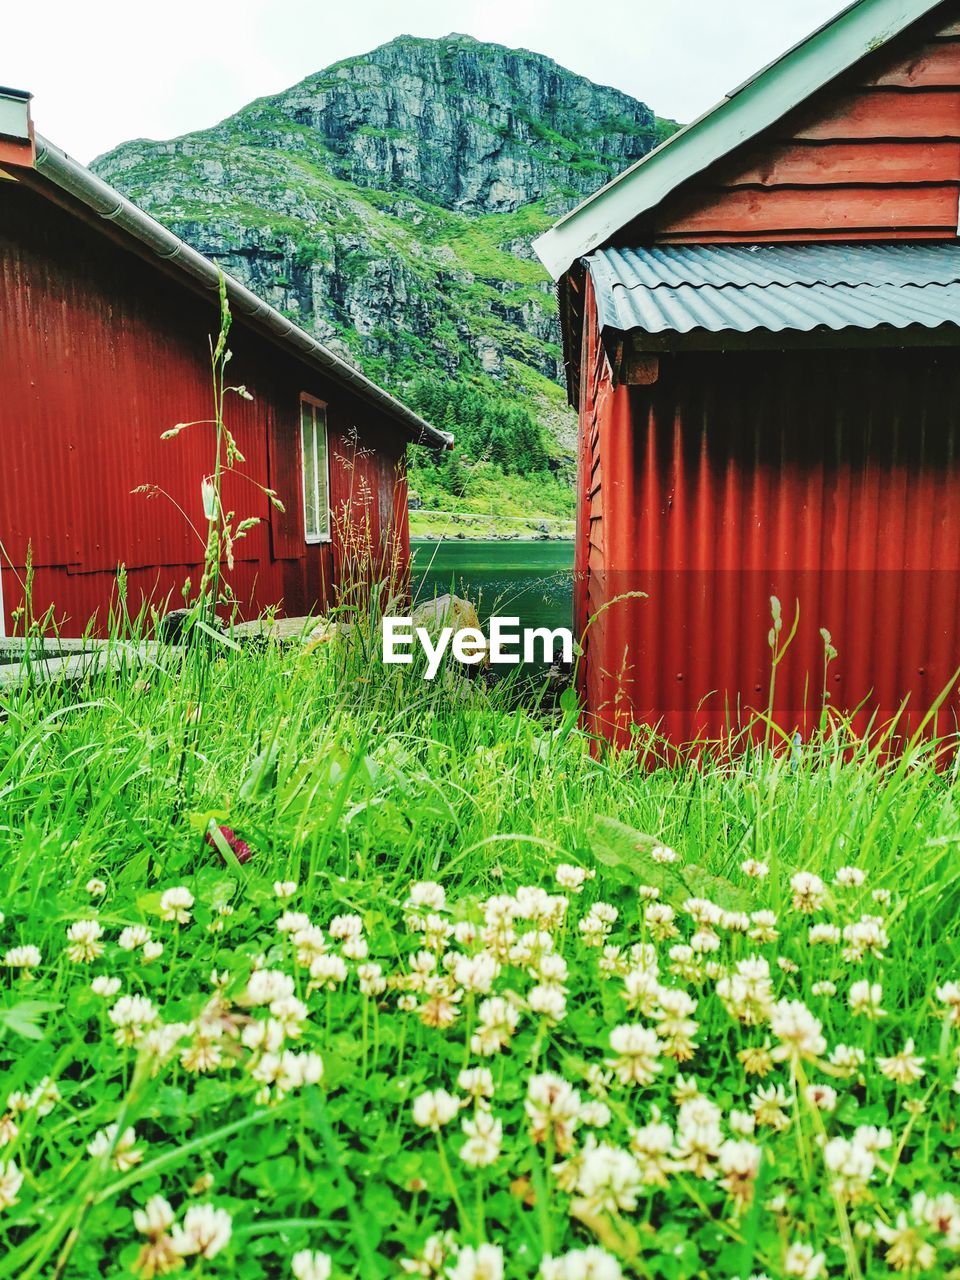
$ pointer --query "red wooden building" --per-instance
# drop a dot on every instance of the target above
(104, 324)
(761, 322)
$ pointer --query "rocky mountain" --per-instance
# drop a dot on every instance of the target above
(387, 204)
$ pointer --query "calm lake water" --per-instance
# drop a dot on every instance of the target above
(532, 581)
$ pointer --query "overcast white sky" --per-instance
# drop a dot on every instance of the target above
(103, 71)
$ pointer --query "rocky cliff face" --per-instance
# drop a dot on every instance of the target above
(387, 203)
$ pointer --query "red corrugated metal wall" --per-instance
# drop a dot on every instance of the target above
(828, 479)
(100, 352)
(875, 155)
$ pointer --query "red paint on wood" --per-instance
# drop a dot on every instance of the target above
(936, 65)
(100, 353)
(845, 164)
(859, 160)
(816, 209)
(884, 113)
(832, 482)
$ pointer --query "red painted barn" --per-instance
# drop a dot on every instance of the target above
(761, 322)
(105, 318)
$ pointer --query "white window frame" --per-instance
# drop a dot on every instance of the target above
(321, 503)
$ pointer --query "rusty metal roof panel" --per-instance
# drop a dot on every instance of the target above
(777, 288)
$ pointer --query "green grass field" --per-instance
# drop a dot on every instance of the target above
(463, 1013)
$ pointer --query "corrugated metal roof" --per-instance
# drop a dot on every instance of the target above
(777, 288)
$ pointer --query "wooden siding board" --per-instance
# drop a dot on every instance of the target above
(934, 65)
(874, 155)
(847, 163)
(799, 209)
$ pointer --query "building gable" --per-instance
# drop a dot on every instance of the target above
(874, 155)
(757, 110)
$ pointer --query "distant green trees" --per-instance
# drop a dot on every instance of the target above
(487, 428)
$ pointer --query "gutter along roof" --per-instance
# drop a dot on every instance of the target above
(107, 203)
(777, 288)
(744, 113)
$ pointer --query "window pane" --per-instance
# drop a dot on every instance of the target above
(323, 497)
(307, 434)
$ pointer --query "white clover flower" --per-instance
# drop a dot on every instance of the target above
(477, 1082)
(484, 1134)
(293, 922)
(96, 887)
(371, 980)
(769, 1103)
(822, 1096)
(763, 926)
(133, 936)
(309, 1264)
(608, 1178)
(83, 938)
(799, 1032)
(652, 1145)
(176, 905)
(152, 950)
(284, 889)
(483, 1263)
(435, 1108)
(572, 878)
(904, 1067)
(328, 971)
(850, 1165)
(755, 869)
(662, 853)
(497, 1020)
(850, 877)
(267, 985)
(699, 1135)
(345, 926)
(941, 1213)
(548, 1000)
(865, 1000)
(597, 923)
(808, 892)
(26, 957)
(638, 1051)
(44, 1097)
(595, 1114)
(801, 1262)
(11, 1180)
(476, 973)
(131, 1015)
(155, 1218)
(824, 988)
(872, 1138)
(106, 987)
(866, 935)
(592, 1263)
(126, 1154)
(823, 933)
(206, 1230)
(847, 1058)
(553, 1108)
(426, 895)
(739, 1165)
(742, 1123)
(907, 1250)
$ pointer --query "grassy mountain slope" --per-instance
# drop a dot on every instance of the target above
(387, 204)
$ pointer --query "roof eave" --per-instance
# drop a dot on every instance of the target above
(736, 119)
